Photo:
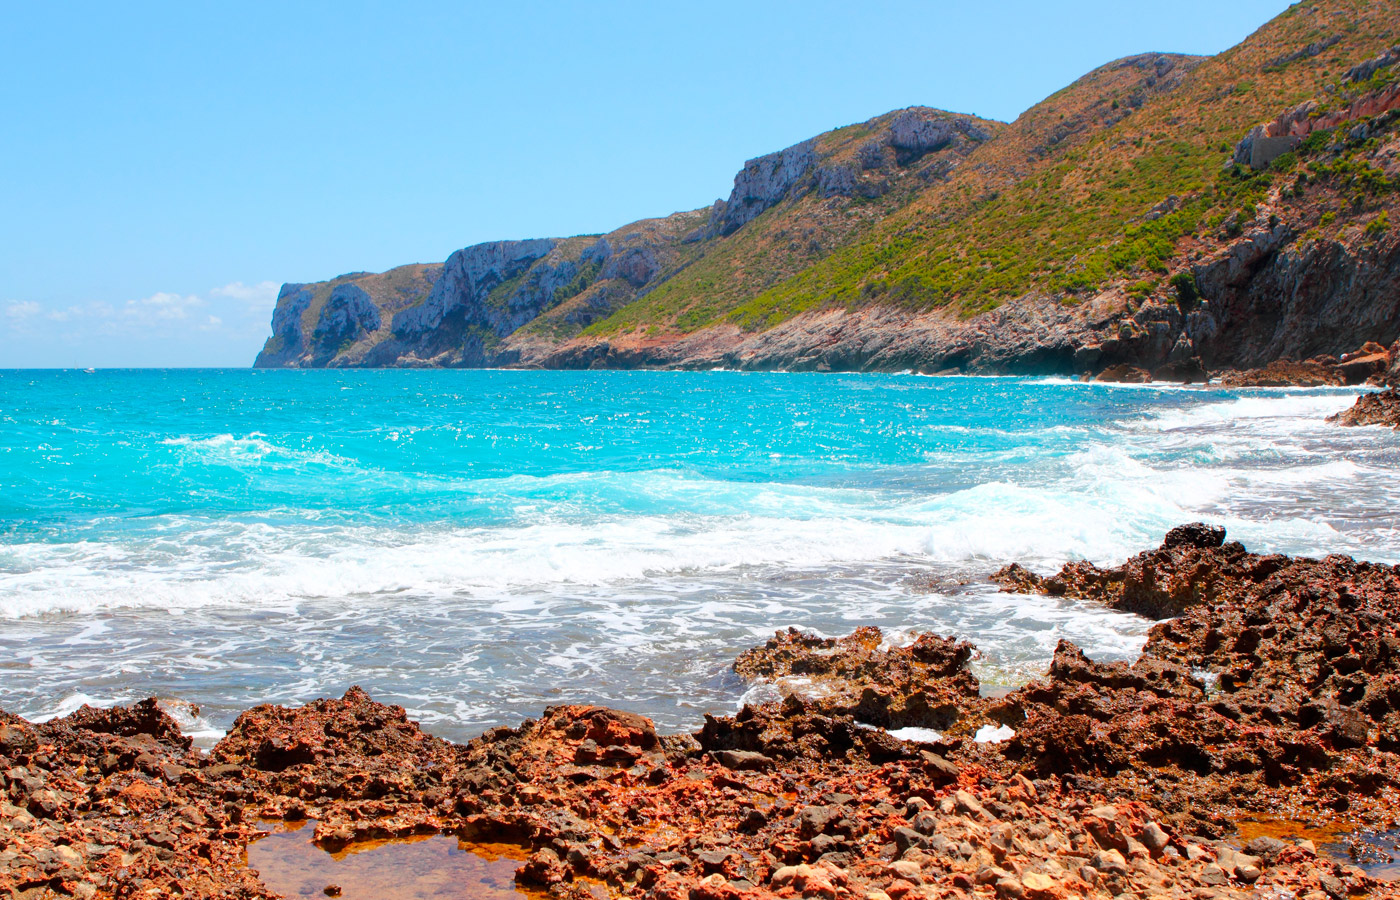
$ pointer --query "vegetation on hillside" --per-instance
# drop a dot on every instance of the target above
(1117, 182)
(1054, 209)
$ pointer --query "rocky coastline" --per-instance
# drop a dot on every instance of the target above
(1258, 244)
(1263, 711)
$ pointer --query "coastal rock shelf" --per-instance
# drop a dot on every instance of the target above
(1381, 408)
(1270, 699)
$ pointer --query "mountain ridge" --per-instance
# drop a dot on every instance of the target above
(1107, 215)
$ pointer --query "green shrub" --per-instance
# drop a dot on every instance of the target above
(1188, 294)
(1141, 290)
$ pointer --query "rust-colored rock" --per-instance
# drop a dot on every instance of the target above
(924, 684)
(1368, 365)
(1318, 372)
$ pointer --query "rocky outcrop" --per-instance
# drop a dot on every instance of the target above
(450, 321)
(348, 314)
(1381, 408)
(1298, 653)
(1267, 141)
(1272, 296)
(334, 323)
(489, 292)
(1033, 336)
(1369, 365)
(1269, 297)
(1306, 269)
(1124, 374)
(918, 130)
(909, 134)
(288, 342)
(921, 685)
(761, 184)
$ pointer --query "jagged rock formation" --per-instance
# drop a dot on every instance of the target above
(762, 183)
(1141, 220)
(336, 323)
(1267, 141)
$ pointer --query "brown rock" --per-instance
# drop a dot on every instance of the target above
(1038, 886)
(1286, 373)
(1154, 838)
(1380, 408)
(543, 868)
(1124, 374)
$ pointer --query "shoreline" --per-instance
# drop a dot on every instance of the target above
(1114, 776)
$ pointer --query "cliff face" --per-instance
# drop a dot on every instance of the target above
(491, 304)
(1165, 212)
(333, 323)
(1275, 295)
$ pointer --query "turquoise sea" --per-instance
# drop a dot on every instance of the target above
(478, 545)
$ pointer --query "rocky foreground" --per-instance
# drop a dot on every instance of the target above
(1266, 699)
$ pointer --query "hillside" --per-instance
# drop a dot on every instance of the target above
(1171, 212)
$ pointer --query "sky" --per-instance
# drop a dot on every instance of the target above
(165, 167)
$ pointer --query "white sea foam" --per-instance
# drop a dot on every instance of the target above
(993, 734)
(917, 735)
(1110, 502)
(191, 723)
(760, 692)
(69, 705)
(252, 449)
(618, 586)
(280, 566)
(1290, 412)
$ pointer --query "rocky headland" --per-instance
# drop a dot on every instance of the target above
(1263, 712)
(1166, 216)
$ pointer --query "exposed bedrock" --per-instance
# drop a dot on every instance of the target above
(1272, 297)
(762, 182)
(289, 340)
(458, 318)
(833, 253)
(347, 314)
(1309, 648)
(1270, 301)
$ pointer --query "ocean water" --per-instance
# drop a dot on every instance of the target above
(478, 545)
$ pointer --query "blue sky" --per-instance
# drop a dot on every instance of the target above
(167, 166)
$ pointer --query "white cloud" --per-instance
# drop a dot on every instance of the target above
(22, 309)
(228, 323)
(94, 310)
(162, 305)
(262, 295)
